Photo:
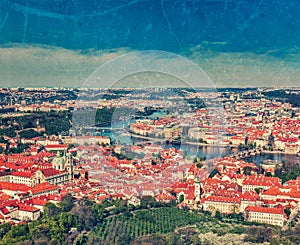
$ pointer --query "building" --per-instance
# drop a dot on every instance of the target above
(44, 189)
(13, 188)
(197, 191)
(172, 131)
(141, 129)
(56, 147)
(27, 212)
(22, 178)
(272, 216)
(5, 176)
(51, 175)
(81, 140)
(286, 193)
(253, 182)
(135, 201)
(250, 199)
(64, 163)
(222, 204)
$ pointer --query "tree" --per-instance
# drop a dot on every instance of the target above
(51, 209)
(28, 134)
(287, 211)
(67, 220)
(258, 190)
(127, 214)
(247, 170)
(268, 233)
(21, 231)
(81, 240)
(87, 214)
(214, 172)
(240, 217)
(181, 198)
(9, 131)
(173, 238)
(195, 240)
(275, 241)
(4, 229)
(2, 140)
(148, 201)
(67, 203)
(259, 235)
(145, 215)
(38, 230)
(59, 225)
(218, 215)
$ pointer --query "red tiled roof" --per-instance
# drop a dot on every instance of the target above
(50, 172)
(250, 196)
(165, 196)
(222, 199)
(4, 210)
(22, 174)
(261, 180)
(269, 202)
(273, 191)
(61, 146)
(40, 201)
(55, 197)
(14, 187)
(264, 210)
(180, 185)
(4, 196)
(190, 196)
(27, 208)
(40, 188)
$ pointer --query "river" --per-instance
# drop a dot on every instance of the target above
(280, 157)
(121, 136)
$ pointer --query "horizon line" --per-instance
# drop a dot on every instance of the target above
(75, 87)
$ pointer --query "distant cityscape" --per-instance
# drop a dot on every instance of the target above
(191, 149)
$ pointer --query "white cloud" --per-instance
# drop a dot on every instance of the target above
(48, 66)
(249, 69)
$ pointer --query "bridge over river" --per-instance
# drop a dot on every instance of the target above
(150, 140)
(94, 128)
(246, 153)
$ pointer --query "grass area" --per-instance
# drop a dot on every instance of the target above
(124, 227)
(172, 224)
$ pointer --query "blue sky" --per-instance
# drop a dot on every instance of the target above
(236, 42)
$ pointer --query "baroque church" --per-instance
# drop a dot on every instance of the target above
(62, 170)
(64, 163)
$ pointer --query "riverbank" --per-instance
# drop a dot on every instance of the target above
(151, 139)
(278, 152)
(206, 144)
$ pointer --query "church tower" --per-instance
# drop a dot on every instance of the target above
(58, 162)
(197, 191)
(64, 163)
(69, 165)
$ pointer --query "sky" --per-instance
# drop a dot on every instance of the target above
(236, 43)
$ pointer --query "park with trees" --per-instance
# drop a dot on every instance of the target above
(116, 222)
